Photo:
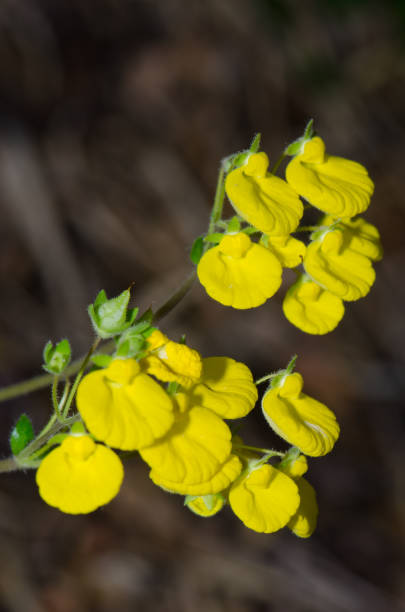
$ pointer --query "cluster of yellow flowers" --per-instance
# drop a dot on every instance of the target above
(337, 262)
(170, 405)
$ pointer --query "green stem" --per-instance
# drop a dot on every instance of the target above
(175, 298)
(264, 378)
(54, 393)
(216, 212)
(265, 451)
(44, 436)
(9, 465)
(278, 163)
(79, 377)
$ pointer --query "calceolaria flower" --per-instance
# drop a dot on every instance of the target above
(336, 266)
(263, 200)
(265, 499)
(335, 185)
(299, 419)
(239, 273)
(79, 475)
(172, 361)
(303, 523)
(193, 457)
(124, 407)
(226, 387)
(359, 235)
(311, 308)
(288, 250)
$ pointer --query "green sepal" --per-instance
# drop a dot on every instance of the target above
(78, 428)
(102, 360)
(146, 317)
(215, 238)
(56, 358)
(295, 147)
(234, 225)
(131, 343)
(289, 458)
(111, 317)
(264, 240)
(197, 250)
(21, 434)
(172, 387)
(254, 147)
(240, 159)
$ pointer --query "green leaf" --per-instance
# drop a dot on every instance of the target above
(21, 434)
(111, 317)
(197, 250)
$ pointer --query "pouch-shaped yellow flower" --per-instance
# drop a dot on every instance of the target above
(195, 447)
(265, 500)
(124, 407)
(359, 236)
(299, 419)
(206, 505)
(79, 475)
(227, 473)
(333, 184)
(172, 361)
(264, 200)
(332, 263)
(239, 273)
(303, 523)
(226, 387)
(311, 308)
(288, 250)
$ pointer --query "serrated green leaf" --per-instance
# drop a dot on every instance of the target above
(21, 434)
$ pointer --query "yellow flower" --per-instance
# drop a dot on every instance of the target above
(265, 500)
(172, 361)
(294, 468)
(331, 262)
(124, 407)
(361, 236)
(264, 200)
(226, 387)
(303, 523)
(335, 185)
(79, 475)
(299, 419)
(205, 505)
(193, 451)
(311, 308)
(288, 250)
(239, 273)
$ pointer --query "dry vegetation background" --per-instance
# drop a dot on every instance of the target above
(113, 118)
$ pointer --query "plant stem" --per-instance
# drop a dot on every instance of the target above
(79, 377)
(175, 298)
(216, 212)
(278, 163)
(266, 451)
(55, 401)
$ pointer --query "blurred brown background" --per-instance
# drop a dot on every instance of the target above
(113, 118)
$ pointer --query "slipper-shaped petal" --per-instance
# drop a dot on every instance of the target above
(124, 407)
(79, 475)
(303, 523)
(227, 473)
(311, 308)
(288, 250)
(359, 235)
(239, 273)
(333, 184)
(193, 450)
(264, 200)
(299, 419)
(265, 500)
(226, 387)
(331, 262)
(172, 361)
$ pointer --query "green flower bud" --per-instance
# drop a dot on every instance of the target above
(56, 358)
(111, 317)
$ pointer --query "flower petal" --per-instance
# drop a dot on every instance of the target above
(265, 500)
(126, 415)
(226, 387)
(79, 475)
(288, 250)
(299, 419)
(360, 236)
(193, 450)
(331, 262)
(262, 199)
(244, 281)
(311, 308)
(333, 184)
(303, 523)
